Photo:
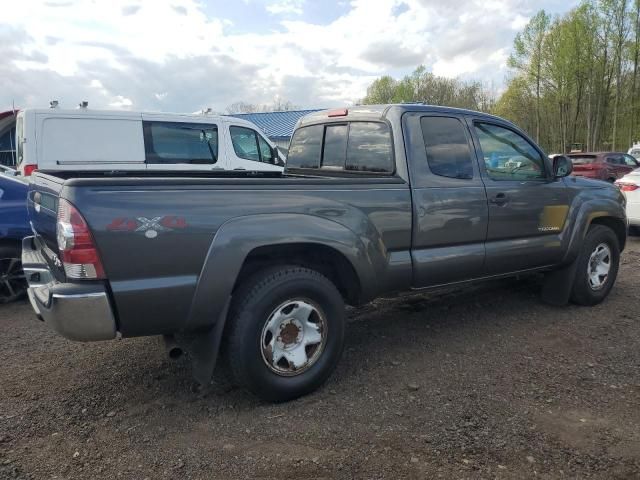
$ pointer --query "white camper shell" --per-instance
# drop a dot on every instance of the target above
(80, 140)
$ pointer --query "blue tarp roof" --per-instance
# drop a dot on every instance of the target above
(275, 124)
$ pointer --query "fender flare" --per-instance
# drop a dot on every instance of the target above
(237, 237)
(588, 212)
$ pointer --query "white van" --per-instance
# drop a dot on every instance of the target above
(55, 139)
(635, 151)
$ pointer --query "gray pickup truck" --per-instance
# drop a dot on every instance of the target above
(374, 200)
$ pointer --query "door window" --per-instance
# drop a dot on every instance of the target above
(245, 143)
(508, 155)
(249, 145)
(630, 161)
(175, 142)
(447, 147)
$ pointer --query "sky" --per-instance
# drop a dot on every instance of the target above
(187, 55)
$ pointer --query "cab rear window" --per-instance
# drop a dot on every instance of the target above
(363, 147)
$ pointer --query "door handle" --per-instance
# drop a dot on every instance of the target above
(499, 199)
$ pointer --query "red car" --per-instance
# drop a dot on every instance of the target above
(608, 166)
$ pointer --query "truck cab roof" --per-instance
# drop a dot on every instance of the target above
(379, 112)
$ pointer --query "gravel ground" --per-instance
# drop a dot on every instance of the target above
(486, 382)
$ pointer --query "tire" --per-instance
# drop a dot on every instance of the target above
(634, 230)
(13, 285)
(585, 291)
(274, 314)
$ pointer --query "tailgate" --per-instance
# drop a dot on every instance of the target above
(42, 204)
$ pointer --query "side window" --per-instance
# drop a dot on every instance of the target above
(174, 142)
(369, 148)
(335, 146)
(245, 143)
(447, 147)
(507, 155)
(613, 160)
(630, 161)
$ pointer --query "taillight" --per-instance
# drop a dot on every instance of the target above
(627, 187)
(75, 242)
(29, 169)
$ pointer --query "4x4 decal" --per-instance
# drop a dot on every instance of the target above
(149, 226)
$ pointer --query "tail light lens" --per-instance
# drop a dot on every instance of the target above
(79, 253)
(627, 187)
(29, 169)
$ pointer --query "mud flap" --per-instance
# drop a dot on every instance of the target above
(203, 348)
(558, 284)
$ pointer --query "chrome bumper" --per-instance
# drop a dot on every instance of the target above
(77, 311)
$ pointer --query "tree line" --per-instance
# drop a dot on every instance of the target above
(574, 80)
(423, 86)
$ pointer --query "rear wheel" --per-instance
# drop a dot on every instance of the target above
(13, 285)
(286, 332)
(597, 266)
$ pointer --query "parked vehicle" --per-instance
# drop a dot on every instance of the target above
(14, 226)
(374, 200)
(630, 186)
(83, 139)
(634, 151)
(607, 166)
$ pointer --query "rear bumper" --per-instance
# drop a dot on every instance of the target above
(77, 311)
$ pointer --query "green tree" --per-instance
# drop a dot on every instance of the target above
(527, 55)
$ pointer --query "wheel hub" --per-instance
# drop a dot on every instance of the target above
(293, 337)
(599, 266)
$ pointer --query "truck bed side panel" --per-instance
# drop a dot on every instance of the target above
(154, 239)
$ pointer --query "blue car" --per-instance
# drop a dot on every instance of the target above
(14, 226)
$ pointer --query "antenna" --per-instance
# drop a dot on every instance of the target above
(53, 104)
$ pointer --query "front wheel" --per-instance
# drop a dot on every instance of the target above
(597, 266)
(286, 332)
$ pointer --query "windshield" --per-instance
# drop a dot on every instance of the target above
(582, 160)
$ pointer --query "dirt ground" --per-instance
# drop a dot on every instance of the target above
(486, 382)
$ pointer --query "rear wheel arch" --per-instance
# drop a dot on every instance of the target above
(324, 259)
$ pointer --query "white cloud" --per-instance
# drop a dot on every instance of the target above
(286, 6)
(121, 102)
(170, 55)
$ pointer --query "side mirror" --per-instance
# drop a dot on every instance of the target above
(562, 166)
(276, 157)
